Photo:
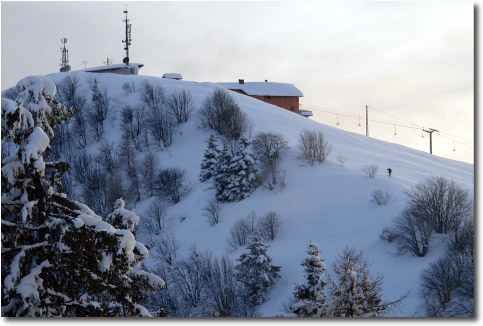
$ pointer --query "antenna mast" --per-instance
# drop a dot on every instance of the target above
(127, 40)
(64, 60)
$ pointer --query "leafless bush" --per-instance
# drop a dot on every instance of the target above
(149, 169)
(181, 105)
(133, 120)
(220, 113)
(188, 275)
(341, 159)
(388, 235)
(166, 248)
(152, 95)
(223, 292)
(313, 147)
(268, 148)
(80, 165)
(448, 285)
(413, 233)
(269, 225)
(442, 202)
(212, 211)
(171, 184)
(162, 126)
(128, 88)
(67, 90)
(241, 231)
(107, 156)
(370, 170)
(380, 198)
(153, 219)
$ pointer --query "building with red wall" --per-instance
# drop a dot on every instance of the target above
(280, 94)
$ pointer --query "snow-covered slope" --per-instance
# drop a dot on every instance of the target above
(328, 204)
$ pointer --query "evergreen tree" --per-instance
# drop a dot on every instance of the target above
(58, 257)
(354, 293)
(311, 301)
(221, 175)
(240, 175)
(255, 270)
(208, 165)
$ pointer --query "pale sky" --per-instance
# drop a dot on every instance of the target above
(405, 60)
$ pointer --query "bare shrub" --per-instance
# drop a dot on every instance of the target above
(128, 88)
(442, 202)
(162, 126)
(149, 169)
(370, 170)
(152, 95)
(171, 184)
(267, 148)
(241, 231)
(223, 292)
(313, 147)
(341, 159)
(269, 225)
(380, 198)
(388, 235)
(181, 105)
(413, 233)
(448, 285)
(153, 219)
(220, 113)
(188, 275)
(67, 90)
(212, 211)
(80, 165)
(166, 248)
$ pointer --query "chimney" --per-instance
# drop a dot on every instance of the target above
(241, 81)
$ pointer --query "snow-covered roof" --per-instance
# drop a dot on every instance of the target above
(113, 67)
(172, 75)
(306, 113)
(265, 88)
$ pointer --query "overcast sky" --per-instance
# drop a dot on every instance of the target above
(405, 60)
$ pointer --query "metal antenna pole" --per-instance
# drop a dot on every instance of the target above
(430, 132)
(127, 40)
(367, 122)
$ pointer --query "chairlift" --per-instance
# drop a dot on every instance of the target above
(359, 121)
(337, 116)
(454, 147)
(395, 132)
(422, 133)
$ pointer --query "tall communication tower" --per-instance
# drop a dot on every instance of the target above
(64, 60)
(127, 40)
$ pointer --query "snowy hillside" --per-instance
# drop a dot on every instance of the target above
(328, 204)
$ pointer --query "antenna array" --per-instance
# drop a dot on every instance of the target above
(64, 60)
(127, 40)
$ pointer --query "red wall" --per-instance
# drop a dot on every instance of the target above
(290, 103)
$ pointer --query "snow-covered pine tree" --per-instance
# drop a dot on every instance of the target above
(354, 293)
(255, 271)
(221, 172)
(209, 162)
(58, 257)
(241, 173)
(310, 298)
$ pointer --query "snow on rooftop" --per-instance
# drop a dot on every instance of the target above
(265, 88)
(173, 75)
(112, 67)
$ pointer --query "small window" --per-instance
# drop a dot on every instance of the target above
(268, 97)
(292, 108)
